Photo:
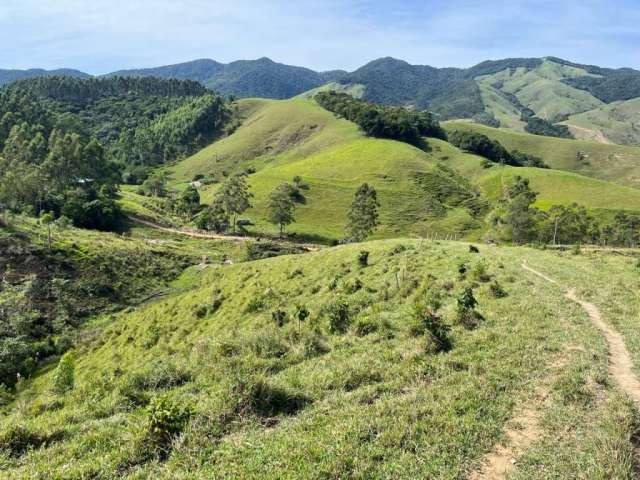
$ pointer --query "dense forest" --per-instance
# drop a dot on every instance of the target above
(395, 123)
(66, 143)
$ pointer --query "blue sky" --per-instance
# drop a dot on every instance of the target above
(99, 36)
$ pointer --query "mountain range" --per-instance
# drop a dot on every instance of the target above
(532, 94)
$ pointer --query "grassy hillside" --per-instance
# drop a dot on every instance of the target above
(310, 400)
(614, 163)
(618, 122)
(280, 140)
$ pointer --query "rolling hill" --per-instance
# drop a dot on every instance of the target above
(615, 163)
(421, 192)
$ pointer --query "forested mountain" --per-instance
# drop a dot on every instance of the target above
(545, 96)
(244, 78)
(8, 76)
(66, 143)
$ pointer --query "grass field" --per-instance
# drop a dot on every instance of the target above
(614, 163)
(303, 400)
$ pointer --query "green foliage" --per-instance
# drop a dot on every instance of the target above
(539, 126)
(383, 122)
(482, 145)
(426, 321)
(515, 217)
(213, 218)
(281, 207)
(63, 376)
(479, 273)
(165, 420)
(362, 218)
(466, 314)
(363, 258)
(339, 315)
(234, 196)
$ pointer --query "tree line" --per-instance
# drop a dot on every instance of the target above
(379, 121)
(516, 219)
(492, 150)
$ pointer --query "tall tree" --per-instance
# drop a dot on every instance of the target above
(235, 197)
(281, 207)
(515, 217)
(362, 218)
(189, 201)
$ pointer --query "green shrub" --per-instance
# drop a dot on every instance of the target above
(339, 316)
(16, 440)
(466, 314)
(256, 396)
(63, 376)
(165, 420)
(497, 291)
(426, 321)
(479, 273)
(363, 258)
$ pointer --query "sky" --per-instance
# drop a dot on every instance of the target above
(100, 36)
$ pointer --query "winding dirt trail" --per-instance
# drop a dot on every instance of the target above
(524, 428)
(620, 364)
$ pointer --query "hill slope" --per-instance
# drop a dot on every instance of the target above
(8, 76)
(614, 163)
(235, 395)
(420, 192)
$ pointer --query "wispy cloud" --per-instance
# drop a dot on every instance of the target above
(105, 35)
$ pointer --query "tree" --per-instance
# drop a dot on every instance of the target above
(155, 185)
(213, 218)
(515, 217)
(235, 196)
(189, 201)
(281, 207)
(362, 218)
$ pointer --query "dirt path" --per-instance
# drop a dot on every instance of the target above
(525, 427)
(591, 134)
(212, 236)
(620, 364)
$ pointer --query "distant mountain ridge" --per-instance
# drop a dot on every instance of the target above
(541, 95)
(8, 76)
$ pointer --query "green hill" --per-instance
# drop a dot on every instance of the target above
(420, 192)
(614, 163)
(206, 384)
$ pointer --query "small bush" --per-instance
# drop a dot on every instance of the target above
(363, 258)
(465, 313)
(339, 316)
(462, 270)
(426, 321)
(479, 273)
(63, 376)
(497, 291)
(576, 250)
(279, 317)
(255, 304)
(165, 420)
(257, 396)
(353, 287)
(473, 249)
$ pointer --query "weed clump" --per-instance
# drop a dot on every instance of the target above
(18, 440)
(339, 316)
(480, 274)
(473, 249)
(497, 291)
(279, 317)
(425, 321)
(363, 258)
